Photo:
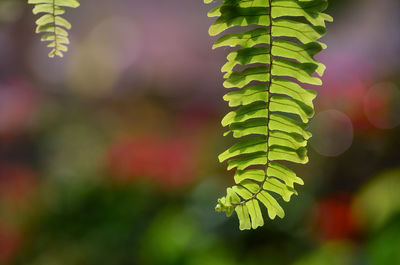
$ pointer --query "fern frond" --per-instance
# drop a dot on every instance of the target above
(275, 56)
(52, 24)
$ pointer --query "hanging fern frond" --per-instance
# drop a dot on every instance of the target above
(52, 24)
(275, 52)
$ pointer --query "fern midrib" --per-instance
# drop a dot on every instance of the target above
(268, 101)
(271, 60)
(55, 30)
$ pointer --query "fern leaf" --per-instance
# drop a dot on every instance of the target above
(52, 24)
(273, 57)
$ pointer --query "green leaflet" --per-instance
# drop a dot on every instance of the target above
(310, 10)
(247, 95)
(305, 33)
(254, 110)
(302, 53)
(275, 44)
(274, 185)
(237, 16)
(289, 105)
(291, 140)
(255, 214)
(250, 174)
(247, 146)
(52, 24)
(247, 160)
(245, 40)
(246, 56)
(249, 127)
(243, 78)
(273, 207)
(300, 71)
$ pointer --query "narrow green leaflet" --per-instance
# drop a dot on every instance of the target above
(52, 25)
(274, 46)
(245, 40)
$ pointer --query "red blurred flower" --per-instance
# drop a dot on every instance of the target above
(169, 162)
(17, 182)
(9, 243)
(333, 218)
(381, 105)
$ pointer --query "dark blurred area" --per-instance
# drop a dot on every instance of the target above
(109, 155)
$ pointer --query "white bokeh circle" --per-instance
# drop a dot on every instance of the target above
(332, 133)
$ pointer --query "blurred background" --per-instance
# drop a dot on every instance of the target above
(109, 156)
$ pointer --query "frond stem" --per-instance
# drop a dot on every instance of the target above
(271, 59)
(54, 21)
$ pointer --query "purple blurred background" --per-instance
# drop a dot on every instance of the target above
(109, 155)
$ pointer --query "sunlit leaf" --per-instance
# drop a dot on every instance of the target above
(276, 41)
(52, 24)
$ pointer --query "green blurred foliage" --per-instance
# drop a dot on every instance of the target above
(85, 227)
(384, 246)
(379, 199)
(334, 253)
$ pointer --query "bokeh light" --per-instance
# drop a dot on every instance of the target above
(332, 133)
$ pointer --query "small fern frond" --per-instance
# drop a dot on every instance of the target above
(274, 55)
(52, 24)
